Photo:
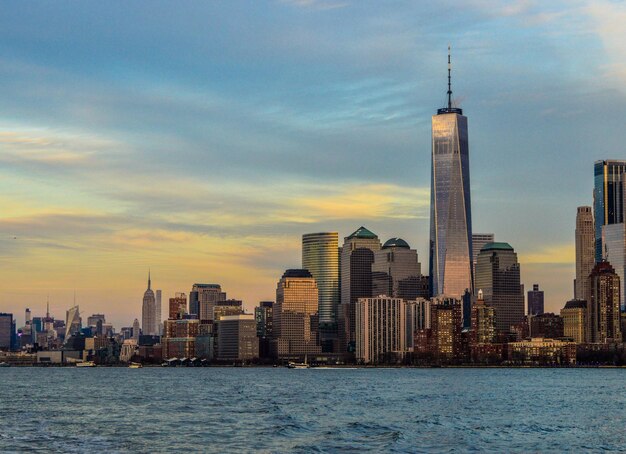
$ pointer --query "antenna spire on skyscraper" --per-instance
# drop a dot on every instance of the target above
(449, 80)
(148, 278)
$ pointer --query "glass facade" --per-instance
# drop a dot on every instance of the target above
(320, 255)
(608, 197)
(450, 206)
(614, 240)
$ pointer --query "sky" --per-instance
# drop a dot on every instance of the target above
(200, 140)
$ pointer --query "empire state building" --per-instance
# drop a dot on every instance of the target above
(450, 205)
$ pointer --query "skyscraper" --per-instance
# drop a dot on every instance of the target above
(535, 301)
(478, 241)
(148, 311)
(320, 255)
(357, 257)
(202, 299)
(603, 308)
(608, 197)
(396, 271)
(72, 322)
(585, 251)
(614, 241)
(177, 306)
(450, 204)
(6, 331)
(380, 329)
(498, 276)
(136, 329)
(575, 320)
(159, 319)
(295, 321)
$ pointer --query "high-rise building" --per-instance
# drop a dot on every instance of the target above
(574, 316)
(202, 299)
(148, 311)
(179, 338)
(535, 301)
(92, 320)
(478, 241)
(295, 323)
(614, 241)
(547, 325)
(396, 271)
(159, 308)
(483, 329)
(417, 318)
(498, 276)
(136, 329)
(380, 330)
(237, 340)
(585, 251)
(6, 331)
(603, 308)
(320, 255)
(442, 341)
(73, 322)
(450, 203)
(608, 198)
(177, 306)
(264, 316)
(357, 257)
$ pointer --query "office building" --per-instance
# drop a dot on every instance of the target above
(357, 257)
(177, 307)
(585, 251)
(442, 341)
(202, 299)
(159, 317)
(574, 316)
(608, 198)
(498, 276)
(535, 301)
(483, 328)
(417, 318)
(540, 351)
(223, 310)
(237, 340)
(148, 311)
(295, 320)
(478, 241)
(396, 271)
(263, 314)
(450, 267)
(73, 322)
(6, 331)
(549, 326)
(380, 330)
(93, 320)
(614, 241)
(320, 255)
(603, 307)
(179, 338)
(136, 330)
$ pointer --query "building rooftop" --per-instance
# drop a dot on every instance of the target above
(576, 304)
(297, 273)
(362, 232)
(497, 246)
(396, 242)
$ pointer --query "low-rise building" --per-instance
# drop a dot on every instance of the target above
(541, 351)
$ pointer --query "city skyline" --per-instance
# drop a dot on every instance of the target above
(93, 137)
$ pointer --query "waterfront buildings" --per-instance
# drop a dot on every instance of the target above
(264, 316)
(585, 251)
(542, 351)
(320, 256)
(417, 318)
(498, 276)
(546, 325)
(450, 267)
(357, 257)
(380, 330)
(295, 319)
(396, 271)
(179, 338)
(603, 308)
(574, 316)
(148, 311)
(483, 330)
(608, 198)
(237, 339)
(442, 341)
(535, 301)
(614, 243)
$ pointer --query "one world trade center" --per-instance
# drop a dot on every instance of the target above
(450, 204)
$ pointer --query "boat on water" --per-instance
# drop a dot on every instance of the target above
(298, 366)
(86, 364)
(135, 366)
(3, 364)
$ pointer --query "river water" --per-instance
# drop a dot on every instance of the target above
(315, 410)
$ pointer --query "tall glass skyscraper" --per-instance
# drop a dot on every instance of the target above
(608, 197)
(450, 207)
(320, 255)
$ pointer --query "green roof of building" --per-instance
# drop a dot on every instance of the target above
(497, 246)
(362, 232)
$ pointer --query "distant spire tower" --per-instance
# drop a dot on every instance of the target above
(449, 80)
